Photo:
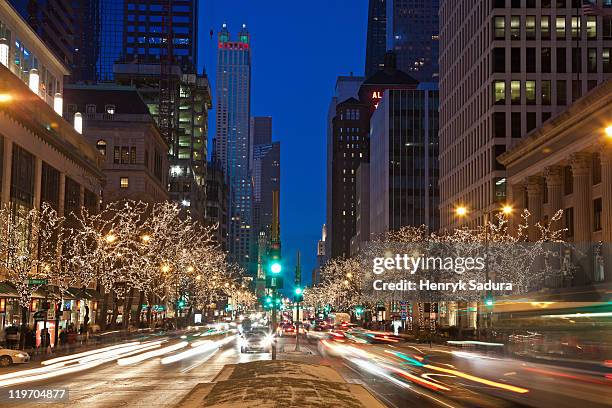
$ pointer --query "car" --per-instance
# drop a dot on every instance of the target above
(287, 330)
(256, 340)
(8, 357)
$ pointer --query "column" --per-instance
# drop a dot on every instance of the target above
(516, 198)
(37, 181)
(7, 163)
(534, 201)
(581, 163)
(582, 215)
(606, 213)
(554, 182)
(62, 193)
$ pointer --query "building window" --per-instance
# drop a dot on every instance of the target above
(561, 93)
(530, 92)
(596, 168)
(499, 60)
(499, 92)
(530, 60)
(530, 27)
(117, 155)
(101, 146)
(568, 215)
(515, 60)
(546, 92)
(607, 28)
(125, 155)
(592, 60)
(605, 60)
(124, 182)
(515, 27)
(561, 60)
(515, 92)
(500, 27)
(576, 90)
(576, 60)
(575, 28)
(560, 27)
(591, 27)
(132, 155)
(597, 207)
(110, 109)
(499, 124)
(545, 27)
(515, 125)
(531, 121)
(545, 60)
(22, 177)
(568, 180)
(545, 3)
(90, 109)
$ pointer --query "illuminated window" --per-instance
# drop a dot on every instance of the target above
(101, 146)
(124, 182)
(592, 27)
(530, 24)
(499, 92)
(515, 27)
(500, 27)
(530, 92)
(560, 28)
(545, 27)
(515, 92)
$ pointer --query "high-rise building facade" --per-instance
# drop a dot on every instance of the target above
(232, 139)
(346, 87)
(376, 41)
(410, 28)
(404, 160)
(507, 67)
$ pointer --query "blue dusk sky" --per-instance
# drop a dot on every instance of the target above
(299, 48)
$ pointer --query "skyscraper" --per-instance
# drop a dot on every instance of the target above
(158, 55)
(232, 145)
(376, 42)
(505, 71)
(408, 27)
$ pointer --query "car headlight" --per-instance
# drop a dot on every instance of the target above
(20, 355)
(267, 340)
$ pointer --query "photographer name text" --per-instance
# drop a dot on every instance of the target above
(427, 285)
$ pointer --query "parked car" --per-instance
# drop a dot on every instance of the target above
(8, 357)
(256, 340)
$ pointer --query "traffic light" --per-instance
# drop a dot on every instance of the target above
(299, 294)
(181, 303)
(489, 301)
(358, 310)
(276, 267)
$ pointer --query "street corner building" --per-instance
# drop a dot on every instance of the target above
(44, 158)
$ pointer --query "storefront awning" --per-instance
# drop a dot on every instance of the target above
(7, 290)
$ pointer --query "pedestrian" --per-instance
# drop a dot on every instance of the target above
(12, 336)
(62, 338)
(30, 338)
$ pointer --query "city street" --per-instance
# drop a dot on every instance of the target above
(399, 375)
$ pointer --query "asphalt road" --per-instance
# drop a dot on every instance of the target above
(470, 380)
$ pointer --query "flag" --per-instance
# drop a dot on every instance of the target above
(589, 8)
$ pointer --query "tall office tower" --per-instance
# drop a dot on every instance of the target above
(376, 41)
(346, 87)
(265, 172)
(110, 46)
(404, 160)
(408, 27)
(232, 147)
(414, 36)
(506, 69)
(86, 39)
(159, 57)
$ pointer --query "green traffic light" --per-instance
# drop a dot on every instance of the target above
(298, 291)
(276, 267)
(489, 302)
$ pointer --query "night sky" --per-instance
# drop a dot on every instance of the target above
(299, 48)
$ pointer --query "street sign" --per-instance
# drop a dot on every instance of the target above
(35, 282)
(274, 282)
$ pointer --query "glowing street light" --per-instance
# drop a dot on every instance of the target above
(110, 238)
(78, 122)
(5, 97)
(507, 210)
(461, 211)
(58, 104)
(146, 238)
(608, 131)
(165, 268)
(276, 267)
(34, 81)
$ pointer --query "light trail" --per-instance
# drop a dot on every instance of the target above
(194, 351)
(470, 377)
(151, 354)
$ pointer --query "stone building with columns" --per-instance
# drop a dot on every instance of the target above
(566, 164)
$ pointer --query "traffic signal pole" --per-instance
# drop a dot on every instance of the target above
(274, 328)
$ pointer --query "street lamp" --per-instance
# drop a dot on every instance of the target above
(461, 211)
(608, 132)
(5, 97)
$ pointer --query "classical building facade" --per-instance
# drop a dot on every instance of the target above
(135, 155)
(506, 68)
(566, 164)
